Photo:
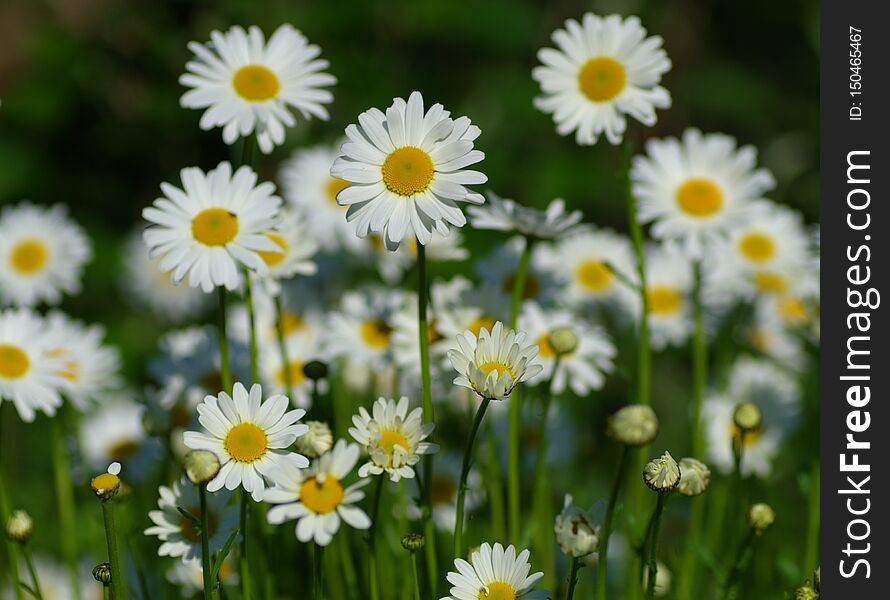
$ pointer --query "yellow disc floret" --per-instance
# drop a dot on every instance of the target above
(215, 226)
(699, 197)
(270, 257)
(499, 368)
(376, 333)
(664, 300)
(245, 442)
(334, 187)
(256, 83)
(757, 247)
(594, 275)
(407, 171)
(29, 256)
(14, 363)
(498, 590)
(323, 496)
(602, 78)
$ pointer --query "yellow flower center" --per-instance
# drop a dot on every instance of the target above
(297, 376)
(793, 310)
(756, 246)
(291, 322)
(245, 442)
(483, 321)
(602, 78)
(14, 363)
(407, 171)
(498, 590)
(664, 300)
(594, 275)
(105, 482)
(498, 367)
(189, 529)
(760, 339)
(767, 282)
(273, 258)
(256, 83)
(335, 186)
(390, 439)
(545, 350)
(29, 256)
(699, 197)
(215, 226)
(376, 333)
(321, 496)
(70, 370)
(750, 438)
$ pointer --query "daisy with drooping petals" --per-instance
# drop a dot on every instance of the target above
(42, 254)
(695, 189)
(296, 244)
(407, 170)
(494, 573)
(30, 375)
(392, 437)
(318, 498)
(217, 222)
(503, 214)
(605, 68)
(669, 294)
(250, 436)
(247, 85)
(492, 364)
(307, 184)
(181, 536)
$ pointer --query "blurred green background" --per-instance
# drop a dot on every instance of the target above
(90, 116)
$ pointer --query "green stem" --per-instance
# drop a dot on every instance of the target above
(114, 554)
(205, 544)
(106, 592)
(224, 370)
(65, 499)
(603, 561)
(542, 444)
(495, 485)
(317, 571)
(636, 234)
(243, 561)
(35, 581)
(811, 555)
(730, 588)
(699, 361)
(464, 471)
(282, 349)
(414, 573)
(429, 415)
(4, 515)
(653, 548)
(248, 296)
(573, 578)
(688, 571)
(515, 410)
(344, 554)
(541, 499)
(372, 542)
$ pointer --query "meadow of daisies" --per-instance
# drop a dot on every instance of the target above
(427, 423)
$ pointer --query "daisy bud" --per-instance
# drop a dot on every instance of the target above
(760, 517)
(19, 527)
(633, 425)
(413, 542)
(563, 340)
(747, 417)
(201, 466)
(694, 477)
(574, 530)
(316, 441)
(315, 370)
(107, 485)
(806, 592)
(662, 474)
(102, 573)
(663, 580)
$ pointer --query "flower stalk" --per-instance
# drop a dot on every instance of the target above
(373, 576)
(464, 472)
(603, 561)
(573, 577)
(205, 544)
(282, 349)
(243, 561)
(251, 314)
(115, 559)
(65, 499)
(225, 371)
(653, 545)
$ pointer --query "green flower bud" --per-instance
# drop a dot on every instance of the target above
(413, 542)
(760, 517)
(19, 526)
(201, 466)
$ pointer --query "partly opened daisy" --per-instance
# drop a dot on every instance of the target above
(217, 222)
(503, 214)
(30, 375)
(42, 254)
(494, 573)
(248, 85)
(408, 170)
(250, 436)
(668, 291)
(693, 190)
(605, 68)
(318, 498)
(297, 246)
(181, 536)
(492, 364)
(392, 437)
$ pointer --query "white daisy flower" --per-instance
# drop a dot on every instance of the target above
(605, 68)
(297, 245)
(55, 581)
(248, 85)
(669, 283)
(494, 573)
(392, 437)
(460, 307)
(498, 271)
(114, 432)
(181, 536)
(30, 375)
(42, 254)
(213, 225)
(776, 342)
(189, 575)
(695, 189)
(575, 532)
(250, 436)
(775, 393)
(152, 288)
(317, 498)
(392, 265)
(361, 330)
(502, 214)
(90, 368)
(274, 373)
(307, 184)
(582, 261)
(408, 170)
(492, 364)
(584, 368)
